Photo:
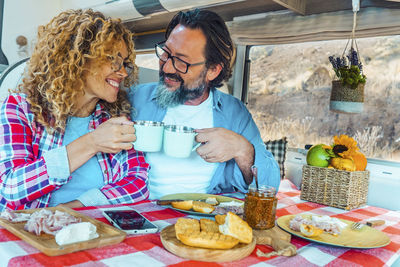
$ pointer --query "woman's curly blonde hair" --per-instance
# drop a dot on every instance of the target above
(56, 72)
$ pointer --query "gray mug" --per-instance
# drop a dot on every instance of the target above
(149, 136)
(179, 141)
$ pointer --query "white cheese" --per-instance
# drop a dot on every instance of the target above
(76, 232)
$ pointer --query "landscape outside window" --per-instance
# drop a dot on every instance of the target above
(289, 92)
(149, 61)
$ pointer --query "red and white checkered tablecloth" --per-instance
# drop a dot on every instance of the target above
(147, 250)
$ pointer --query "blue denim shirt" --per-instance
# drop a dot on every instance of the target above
(229, 113)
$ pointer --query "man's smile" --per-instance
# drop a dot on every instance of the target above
(171, 82)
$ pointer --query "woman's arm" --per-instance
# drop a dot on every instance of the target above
(23, 174)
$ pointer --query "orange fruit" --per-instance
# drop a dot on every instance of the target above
(359, 160)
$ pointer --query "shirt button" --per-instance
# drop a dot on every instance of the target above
(105, 172)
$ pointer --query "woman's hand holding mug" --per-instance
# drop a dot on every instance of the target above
(114, 135)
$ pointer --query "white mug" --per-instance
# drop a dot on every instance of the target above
(149, 136)
(179, 141)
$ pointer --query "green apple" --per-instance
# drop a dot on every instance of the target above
(319, 155)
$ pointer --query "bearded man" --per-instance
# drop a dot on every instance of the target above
(194, 60)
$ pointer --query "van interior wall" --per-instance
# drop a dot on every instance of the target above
(23, 17)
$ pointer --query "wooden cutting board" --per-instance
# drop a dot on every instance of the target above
(173, 245)
(265, 237)
(278, 239)
(46, 243)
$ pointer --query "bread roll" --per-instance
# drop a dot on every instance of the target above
(236, 227)
(183, 205)
(220, 219)
(208, 225)
(186, 225)
(202, 207)
(208, 240)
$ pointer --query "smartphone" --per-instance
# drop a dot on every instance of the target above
(130, 221)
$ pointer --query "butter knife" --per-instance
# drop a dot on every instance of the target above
(374, 223)
(168, 201)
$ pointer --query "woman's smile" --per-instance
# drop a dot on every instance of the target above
(114, 83)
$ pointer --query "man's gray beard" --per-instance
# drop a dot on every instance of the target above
(167, 99)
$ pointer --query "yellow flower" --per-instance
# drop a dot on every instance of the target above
(348, 142)
(346, 147)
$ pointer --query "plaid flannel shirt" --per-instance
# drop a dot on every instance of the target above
(24, 180)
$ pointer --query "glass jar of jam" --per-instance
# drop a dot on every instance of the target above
(260, 207)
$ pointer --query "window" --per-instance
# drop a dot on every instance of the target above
(148, 67)
(289, 94)
(149, 61)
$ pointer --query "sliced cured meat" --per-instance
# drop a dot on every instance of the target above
(48, 222)
(14, 216)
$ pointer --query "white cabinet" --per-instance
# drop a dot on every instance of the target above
(295, 159)
(384, 184)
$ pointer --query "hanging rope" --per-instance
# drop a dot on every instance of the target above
(352, 36)
(347, 94)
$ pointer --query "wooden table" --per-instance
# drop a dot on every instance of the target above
(147, 250)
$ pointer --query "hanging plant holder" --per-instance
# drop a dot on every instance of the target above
(345, 99)
(347, 94)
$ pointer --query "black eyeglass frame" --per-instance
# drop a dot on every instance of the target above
(116, 65)
(173, 58)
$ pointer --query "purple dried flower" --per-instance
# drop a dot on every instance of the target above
(347, 66)
(333, 62)
(353, 57)
(339, 62)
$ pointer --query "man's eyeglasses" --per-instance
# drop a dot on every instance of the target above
(117, 63)
(179, 64)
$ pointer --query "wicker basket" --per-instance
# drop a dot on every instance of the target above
(335, 188)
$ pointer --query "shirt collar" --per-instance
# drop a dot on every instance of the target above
(99, 111)
(217, 102)
(154, 94)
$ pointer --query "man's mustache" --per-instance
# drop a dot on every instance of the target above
(171, 76)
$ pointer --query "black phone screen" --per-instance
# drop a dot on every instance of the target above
(127, 219)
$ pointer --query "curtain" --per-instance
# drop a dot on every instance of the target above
(289, 27)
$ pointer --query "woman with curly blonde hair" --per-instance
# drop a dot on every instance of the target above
(65, 136)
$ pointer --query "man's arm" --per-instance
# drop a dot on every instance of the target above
(245, 160)
(221, 145)
(241, 134)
